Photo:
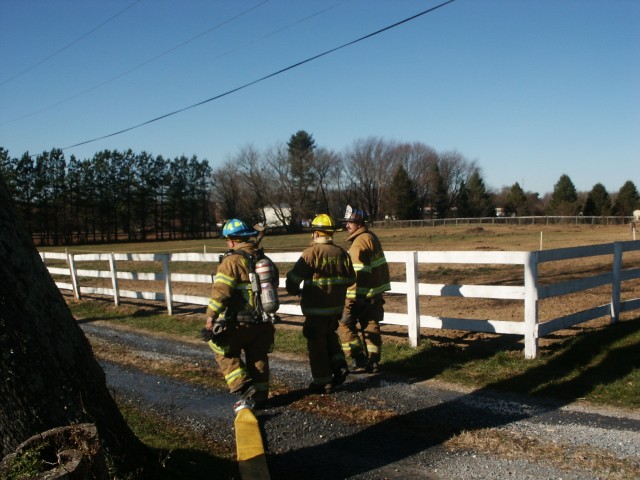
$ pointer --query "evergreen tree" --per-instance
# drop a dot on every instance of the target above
(50, 194)
(463, 205)
(404, 201)
(598, 201)
(564, 199)
(516, 201)
(301, 149)
(8, 171)
(439, 198)
(479, 201)
(628, 199)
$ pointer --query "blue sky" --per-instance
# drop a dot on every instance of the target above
(529, 89)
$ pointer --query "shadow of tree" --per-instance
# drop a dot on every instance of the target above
(186, 464)
(589, 360)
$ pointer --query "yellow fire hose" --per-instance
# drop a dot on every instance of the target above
(252, 461)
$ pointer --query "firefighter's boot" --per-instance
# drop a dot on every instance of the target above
(358, 360)
(339, 376)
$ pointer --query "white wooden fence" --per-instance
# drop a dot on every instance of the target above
(530, 292)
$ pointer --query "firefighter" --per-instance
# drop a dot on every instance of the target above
(234, 323)
(325, 271)
(364, 306)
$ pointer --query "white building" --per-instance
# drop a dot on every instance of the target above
(273, 217)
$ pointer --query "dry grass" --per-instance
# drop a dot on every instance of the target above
(517, 445)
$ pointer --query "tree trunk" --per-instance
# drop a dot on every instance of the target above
(50, 377)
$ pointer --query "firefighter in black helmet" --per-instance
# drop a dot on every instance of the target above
(364, 307)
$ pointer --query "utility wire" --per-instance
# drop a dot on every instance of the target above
(286, 27)
(105, 82)
(261, 79)
(49, 57)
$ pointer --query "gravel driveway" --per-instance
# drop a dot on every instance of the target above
(409, 430)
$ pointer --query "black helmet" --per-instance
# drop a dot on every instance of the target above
(355, 215)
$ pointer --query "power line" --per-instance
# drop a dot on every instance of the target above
(261, 79)
(60, 50)
(120, 75)
(286, 27)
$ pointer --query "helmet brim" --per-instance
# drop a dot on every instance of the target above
(244, 236)
(326, 228)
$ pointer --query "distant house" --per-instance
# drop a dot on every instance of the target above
(273, 217)
(500, 212)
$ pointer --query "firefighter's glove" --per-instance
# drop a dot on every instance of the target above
(207, 335)
(358, 307)
(293, 288)
(214, 328)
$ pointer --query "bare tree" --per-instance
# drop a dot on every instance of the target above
(227, 190)
(327, 169)
(369, 164)
(418, 160)
(456, 172)
(282, 189)
(258, 182)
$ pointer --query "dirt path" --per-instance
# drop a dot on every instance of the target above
(404, 429)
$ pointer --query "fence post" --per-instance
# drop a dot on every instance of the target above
(615, 281)
(531, 306)
(413, 298)
(167, 282)
(114, 279)
(71, 263)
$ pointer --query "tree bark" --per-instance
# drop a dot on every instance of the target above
(49, 376)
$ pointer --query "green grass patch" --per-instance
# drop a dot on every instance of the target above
(138, 318)
(28, 464)
(290, 341)
(601, 366)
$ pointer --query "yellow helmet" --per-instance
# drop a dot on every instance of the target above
(324, 223)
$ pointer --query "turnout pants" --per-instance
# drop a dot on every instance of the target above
(256, 341)
(368, 322)
(325, 352)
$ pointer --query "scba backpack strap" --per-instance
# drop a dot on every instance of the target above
(264, 278)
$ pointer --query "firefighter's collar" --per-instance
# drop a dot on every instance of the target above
(323, 240)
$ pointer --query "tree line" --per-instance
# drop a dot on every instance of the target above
(402, 181)
(129, 196)
(112, 196)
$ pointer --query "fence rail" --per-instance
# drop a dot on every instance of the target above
(523, 220)
(530, 292)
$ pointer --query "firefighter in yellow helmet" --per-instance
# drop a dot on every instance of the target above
(325, 271)
(364, 306)
(233, 324)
